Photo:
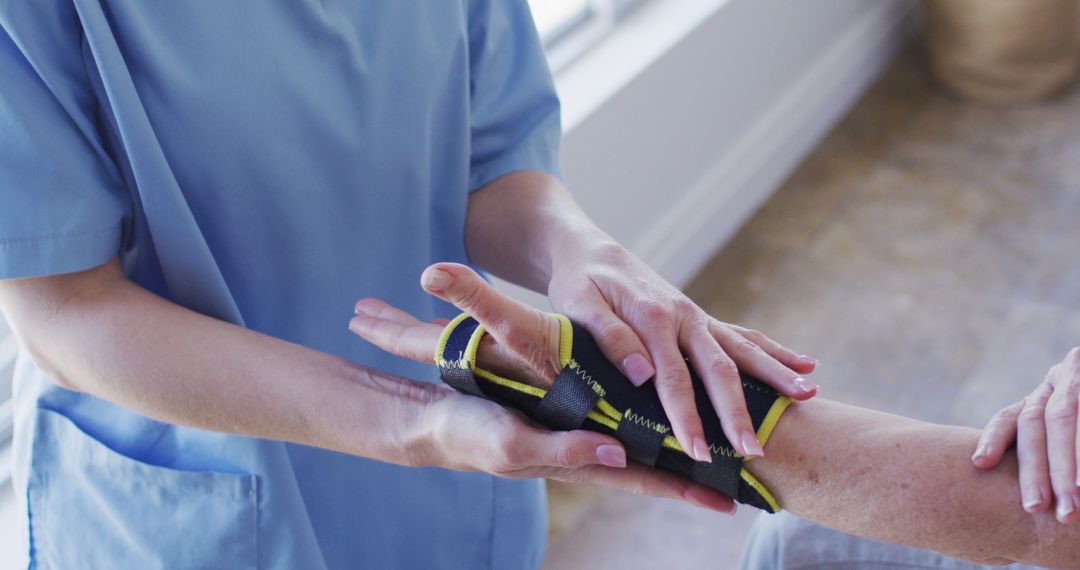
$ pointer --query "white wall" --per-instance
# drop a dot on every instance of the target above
(680, 150)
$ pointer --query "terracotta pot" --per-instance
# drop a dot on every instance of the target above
(1003, 51)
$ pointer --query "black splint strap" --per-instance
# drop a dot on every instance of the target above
(455, 367)
(642, 443)
(722, 474)
(590, 393)
(567, 402)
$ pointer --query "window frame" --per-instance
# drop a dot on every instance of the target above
(570, 39)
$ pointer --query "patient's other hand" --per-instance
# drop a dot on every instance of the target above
(1044, 427)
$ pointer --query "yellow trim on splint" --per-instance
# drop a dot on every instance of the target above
(763, 433)
(779, 406)
(445, 336)
(566, 339)
(765, 494)
(607, 414)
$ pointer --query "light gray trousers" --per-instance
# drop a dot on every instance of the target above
(786, 542)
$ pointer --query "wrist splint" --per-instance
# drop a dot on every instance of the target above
(590, 393)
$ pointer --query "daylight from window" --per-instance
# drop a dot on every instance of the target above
(554, 16)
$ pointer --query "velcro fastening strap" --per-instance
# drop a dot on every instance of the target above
(642, 443)
(455, 363)
(722, 474)
(460, 379)
(567, 402)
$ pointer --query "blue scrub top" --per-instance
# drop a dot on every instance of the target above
(265, 163)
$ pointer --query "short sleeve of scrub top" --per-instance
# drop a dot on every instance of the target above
(515, 112)
(61, 207)
(265, 164)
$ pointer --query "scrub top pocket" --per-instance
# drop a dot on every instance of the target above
(92, 507)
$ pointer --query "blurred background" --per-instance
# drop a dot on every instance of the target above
(888, 185)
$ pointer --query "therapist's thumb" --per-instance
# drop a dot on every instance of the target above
(572, 449)
(506, 319)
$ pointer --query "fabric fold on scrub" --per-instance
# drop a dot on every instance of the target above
(264, 164)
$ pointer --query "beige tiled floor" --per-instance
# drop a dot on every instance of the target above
(928, 252)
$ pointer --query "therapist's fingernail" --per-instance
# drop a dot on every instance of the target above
(803, 386)
(980, 453)
(701, 450)
(808, 360)
(751, 446)
(611, 455)
(436, 280)
(638, 369)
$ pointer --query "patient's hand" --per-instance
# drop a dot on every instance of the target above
(1044, 427)
(523, 344)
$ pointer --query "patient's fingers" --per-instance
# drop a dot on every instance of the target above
(531, 334)
(996, 438)
(1031, 451)
(1061, 410)
(378, 308)
(415, 341)
(1071, 374)
(398, 332)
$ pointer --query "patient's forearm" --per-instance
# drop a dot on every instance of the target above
(899, 480)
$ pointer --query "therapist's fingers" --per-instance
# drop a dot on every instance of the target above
(997, 437)
(619, 343)
(395, 332)
(1034, 475)
(641, 480)
(581, 456)
(749, 357)
(676, 392)
(800, 363)
(520, 452)
(723, 384)
(529, 333)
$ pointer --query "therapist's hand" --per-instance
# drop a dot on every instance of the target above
(644, 325)
(1044, 427)
(472, 434)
